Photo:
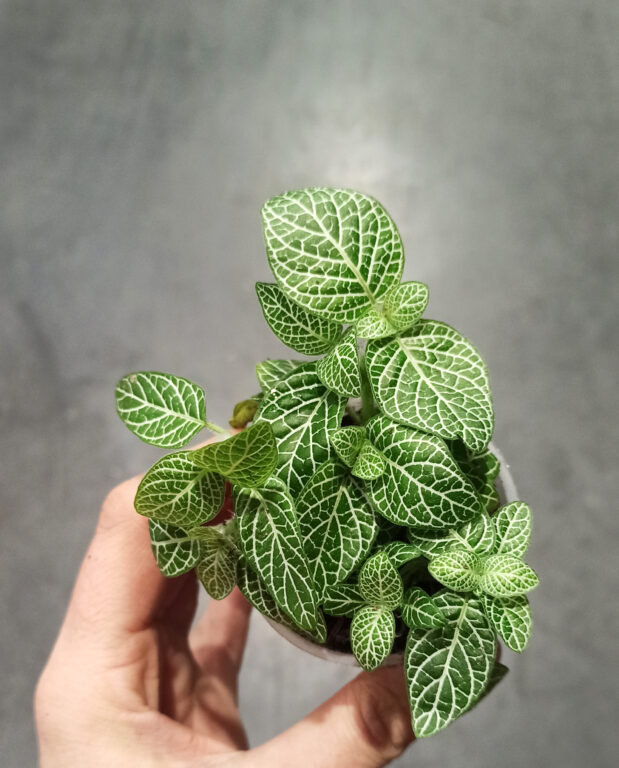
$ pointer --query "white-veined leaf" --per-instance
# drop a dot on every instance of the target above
(339, 369)
(419, 611)
(432, 378)
(458, 569)
(336, 522)
(380, 583)
(342, 600)
(510, 617)
(448, 668)
(175, 490)
(370, 463)
(347, 442)
(246, 459)
(270, 372)
(513, 529)
(302, 413)
(175, 553)
(422, 486)
(481, 468)
(161, 409)
(400, 553)
(333, 251)
(270, 540)
(405, 304)
(298, 329)
(372, 632)
(374, 325)
(506, 576)
(217, 567)
(476, 535)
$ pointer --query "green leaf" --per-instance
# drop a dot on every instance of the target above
(298, 329)
(372, 633)
(422, 486)
(175, 553)
(161, 409)
(302, 412)
(510, 617)
(342, 600)
(244, 412)
(217, 567)
(506, 576)
(271, 372)
(336, 522)
(374, 325)
(270, 540)
(476, 535)
(333, 251)
(513, 529)
(448, 668)
(458, 569)
(482, 469)
(370, 463)
(432, 378)
(405, 304)
(339, 369)
(380, 583)
(347, 442)
(254, 590)
(419, 611)
(246, 459)
(175, 490)
(400, 553)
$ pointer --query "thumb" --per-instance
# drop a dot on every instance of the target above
(365, 724)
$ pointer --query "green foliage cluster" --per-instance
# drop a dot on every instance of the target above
(364, 490)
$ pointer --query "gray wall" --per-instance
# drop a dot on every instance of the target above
(138, 139)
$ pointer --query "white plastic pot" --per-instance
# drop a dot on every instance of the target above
(507, 493)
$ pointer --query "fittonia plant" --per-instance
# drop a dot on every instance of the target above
(365, 511)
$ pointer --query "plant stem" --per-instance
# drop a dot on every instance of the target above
(217, 428)
(367, 398)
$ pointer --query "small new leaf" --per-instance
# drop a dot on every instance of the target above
(419, 610)
(458, 569)
(339, 369)
(217, 567)
(405, 304)
(510, 617)
(347, 442)
(370, 463)
(175, 553)
(342, 600)
(246, 459)
(161, 409)
(298, 329)
(270, 372)
(371, 636)
(400, 552)
(506, 576)
(175, 490)
(374, 325)
(244, 412)
(513, 529)
(380, 583)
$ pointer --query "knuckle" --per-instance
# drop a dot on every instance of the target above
(383, 719)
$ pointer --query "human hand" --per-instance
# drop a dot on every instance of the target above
(128, 684)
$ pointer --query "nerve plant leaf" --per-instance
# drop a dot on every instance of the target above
(370, 463)
(217, 567)
(244, 412)
(339, 369)
(476, 535)
(448, 668)
(342, 600)
(371, 635)
(298, 329)
(246, 459)
(510, 617)
(334, 252)
(405, 304)
(506, 576)
(175, 490)
(347, 442)
(513, 529)
(270, 372)
(380, 583)
(161, 409)
(337, 524)
(458, 569)
(302, 412)
(432, 378)
(374, 325)
(482, 470)
(422, 486)
(419, 610)
(400, 553)
(270, 540)
(175, 553)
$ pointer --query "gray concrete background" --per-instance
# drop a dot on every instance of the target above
(138, 140)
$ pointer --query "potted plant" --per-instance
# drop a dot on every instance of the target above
(359, 507)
